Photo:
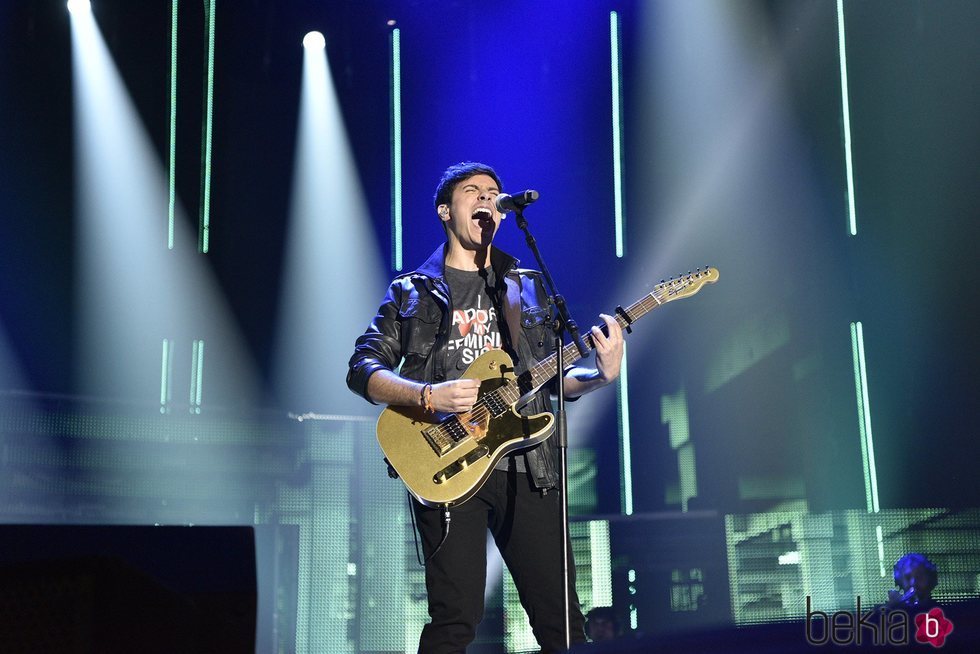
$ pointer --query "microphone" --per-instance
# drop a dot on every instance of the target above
(505, 203)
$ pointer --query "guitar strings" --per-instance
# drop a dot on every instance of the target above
(481, 411)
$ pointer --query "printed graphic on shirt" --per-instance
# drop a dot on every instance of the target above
(474, 331)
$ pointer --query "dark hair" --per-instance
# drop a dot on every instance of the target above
(456, 174)
(916, 560)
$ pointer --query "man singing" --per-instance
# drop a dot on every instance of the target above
(467, 298)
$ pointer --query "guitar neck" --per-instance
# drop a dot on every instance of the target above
(666, 291)
(540, 373)
(547, 368)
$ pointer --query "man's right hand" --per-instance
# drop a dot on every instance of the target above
(455, 396)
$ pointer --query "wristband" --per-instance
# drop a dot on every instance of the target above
(425, 398)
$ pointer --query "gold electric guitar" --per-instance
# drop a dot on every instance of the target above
(444, 459)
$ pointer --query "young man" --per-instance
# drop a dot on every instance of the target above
(469, 297)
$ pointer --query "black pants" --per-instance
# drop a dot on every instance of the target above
(526, 528)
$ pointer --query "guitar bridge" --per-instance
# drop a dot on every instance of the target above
(460, 464)
(444, 436)
(437, 440)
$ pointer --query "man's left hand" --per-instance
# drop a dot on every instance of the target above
(608, 349)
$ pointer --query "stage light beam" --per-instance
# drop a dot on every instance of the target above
(329, 238)
(122, 208)
(141, 304)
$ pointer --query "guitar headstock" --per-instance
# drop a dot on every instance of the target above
(683, 286)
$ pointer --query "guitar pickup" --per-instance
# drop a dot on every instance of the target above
(460, 464)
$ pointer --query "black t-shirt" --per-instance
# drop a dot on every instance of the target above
(474, 329)
(475, 324)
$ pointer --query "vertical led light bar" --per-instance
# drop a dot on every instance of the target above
(396, 148)
(864, 417)
(617, 121)
(631, 577)
(860, 404)
(165, 368)
(193, 393)
(622, 400)
(199, 385)
(197, 375)
(867, 441)
(600, 563)
(846, 112)
(881, 551)
(205, 226)
(173, 125)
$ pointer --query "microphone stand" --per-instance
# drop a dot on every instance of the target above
(563, 322)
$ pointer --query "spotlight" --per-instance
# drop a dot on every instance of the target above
(314, 41)
(78, 7)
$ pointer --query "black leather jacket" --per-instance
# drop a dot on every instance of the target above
(413, 325)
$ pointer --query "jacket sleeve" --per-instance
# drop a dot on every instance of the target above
(379, 347)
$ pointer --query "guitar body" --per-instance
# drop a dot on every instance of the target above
(444, 459)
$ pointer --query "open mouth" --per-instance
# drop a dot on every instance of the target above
(482, 213)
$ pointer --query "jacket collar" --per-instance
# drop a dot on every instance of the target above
(435, 266)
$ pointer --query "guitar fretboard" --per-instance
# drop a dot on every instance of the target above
(540, 373)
